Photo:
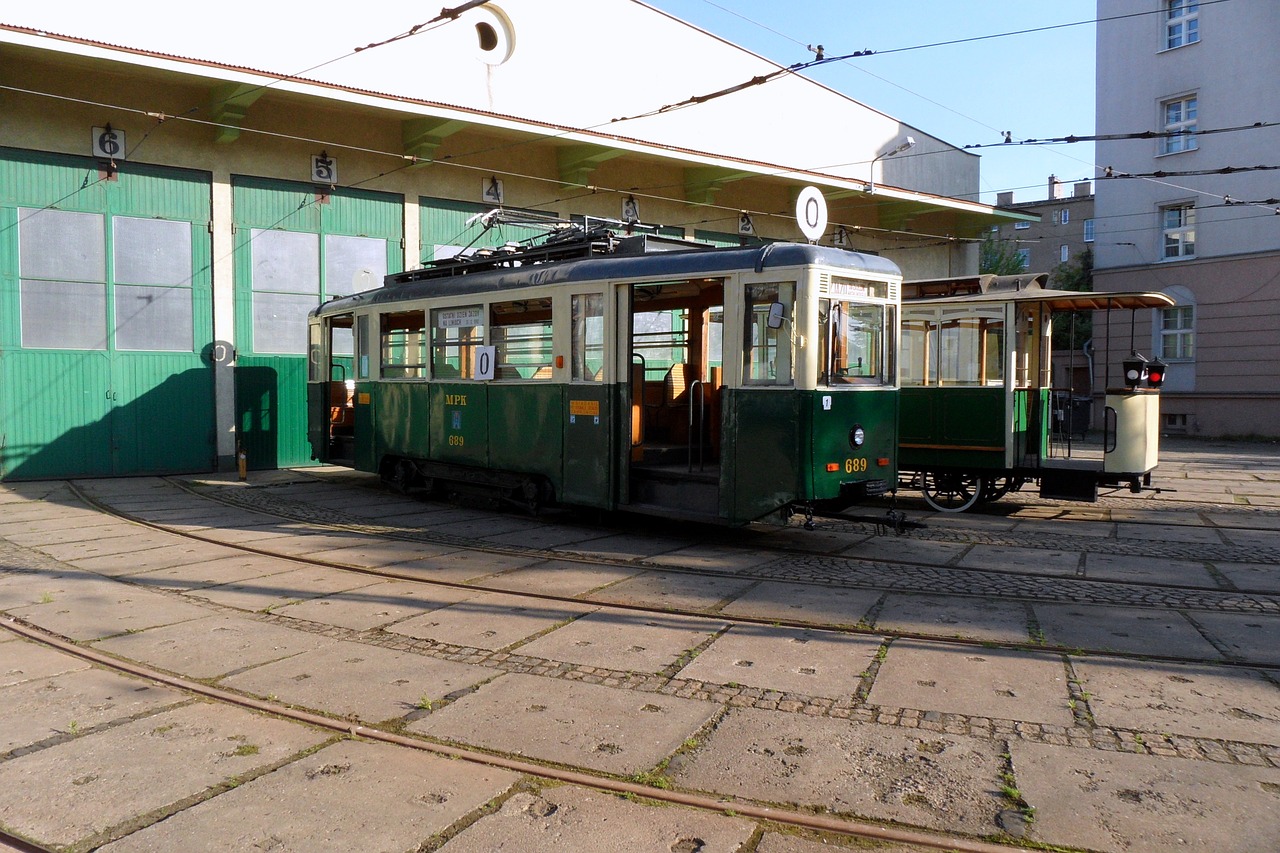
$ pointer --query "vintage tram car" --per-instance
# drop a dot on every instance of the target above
(979, 413)
(620, 373)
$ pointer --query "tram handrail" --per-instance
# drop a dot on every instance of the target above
(698, 387)
(1109, 431)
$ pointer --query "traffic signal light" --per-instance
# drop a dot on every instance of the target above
(1155, 374)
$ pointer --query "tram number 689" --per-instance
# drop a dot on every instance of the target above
(855, 466)
(455, 441)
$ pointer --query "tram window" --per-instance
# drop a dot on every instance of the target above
(766, 347)
(521, 336)
(662, 338)
(587, 346)
(455, 334)
(970, 347)
(404, 345)
(852, 341)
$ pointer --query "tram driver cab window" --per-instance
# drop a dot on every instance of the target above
(853, 344)
(455, 334)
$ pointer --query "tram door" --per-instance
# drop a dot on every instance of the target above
(331, 391)
(671, 339)
(1031, 383)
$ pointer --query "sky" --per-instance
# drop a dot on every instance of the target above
(1034, 85)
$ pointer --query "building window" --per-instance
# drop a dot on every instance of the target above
(1024, 256)
(1180, 117)
(1021, 226)
(1088, 230)
(1178, 225)
(1064, 253)
(1057, 217)
(1182, 23)
(1177, 336)
(1065, 216)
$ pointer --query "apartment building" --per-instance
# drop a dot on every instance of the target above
(1188, 203)
(1064, 231)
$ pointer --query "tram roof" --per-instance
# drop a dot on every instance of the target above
(665, 264)
(1028, 287)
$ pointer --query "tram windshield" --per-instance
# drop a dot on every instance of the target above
(854, 345)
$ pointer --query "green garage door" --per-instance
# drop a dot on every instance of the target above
(294, 249)
(105, 319)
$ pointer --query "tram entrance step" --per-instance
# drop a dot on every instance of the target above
(697, 493)
(1069, 484)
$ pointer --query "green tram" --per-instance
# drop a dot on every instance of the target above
(625, 373)
(979, 413)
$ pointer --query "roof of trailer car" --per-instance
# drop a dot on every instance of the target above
(662, 265)
(1028, 287)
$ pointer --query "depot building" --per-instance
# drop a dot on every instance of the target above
(166, 222)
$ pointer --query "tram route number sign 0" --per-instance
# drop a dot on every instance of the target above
(811, 213)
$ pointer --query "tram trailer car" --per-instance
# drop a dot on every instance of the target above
(719, 385)
(978, 410)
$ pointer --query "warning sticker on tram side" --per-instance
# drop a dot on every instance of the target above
(584, 407)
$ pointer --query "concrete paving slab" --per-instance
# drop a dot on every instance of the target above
(569, 722)
(383, 552)
(974, 618)
(71, 511)
(1257, 577)
(372, 796)
(53, 531)
(140, 541)
(1197, 701)
(1156, 570)
(547, 537)
(1247, 517)
(213, 646)
(826, 605)
(1124, 803)
(22, 586)
(33, 491)
(1035, 561)
(72, 703)
(270, 591)
(301, 544)
(719, 558)
(673, 590)
(22, 661)
(827, 537)
(994, 683)
(1122, 629)
(624, 640)
(358, 681)
(1249, 637)
(645, 545)
(1253, 538)
(928, 779)
(92, 611)
(776, 842)
(213, 565)
(181, 552)
(903, 549)
(788, 660)
(572, 818)
(376, 605)
(463, 566)
(560, 577)
(1197, 535)
(491, 620)
(1033, 529)
(111, 779)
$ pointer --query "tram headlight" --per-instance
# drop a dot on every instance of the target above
(1135, 370)
(857, 435)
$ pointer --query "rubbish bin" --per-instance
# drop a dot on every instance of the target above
(1072, 414)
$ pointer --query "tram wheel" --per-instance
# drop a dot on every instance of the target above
(997, 487)
(952, 492)
(403, 477)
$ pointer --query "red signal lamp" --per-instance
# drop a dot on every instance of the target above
(1155, 374)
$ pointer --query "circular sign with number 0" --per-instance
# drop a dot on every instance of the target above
(811, 213)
